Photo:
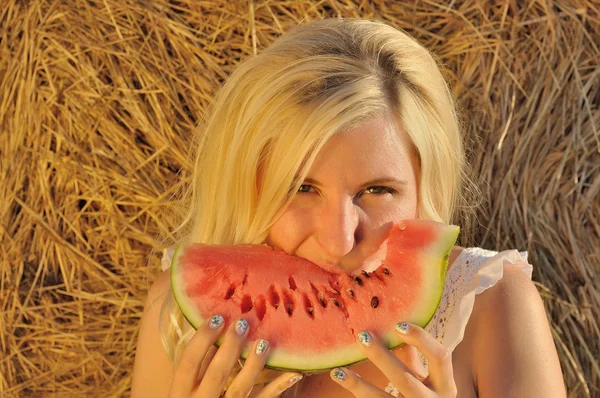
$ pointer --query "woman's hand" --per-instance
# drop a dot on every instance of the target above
(439, 383)
(203, 372)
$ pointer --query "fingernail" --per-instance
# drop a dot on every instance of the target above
(241, 326)
(339, 374)
(365, 338)
(403, 327)
(262, 346)
(295, 379)
(215, 321)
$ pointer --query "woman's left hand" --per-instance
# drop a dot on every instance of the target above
(439, 382)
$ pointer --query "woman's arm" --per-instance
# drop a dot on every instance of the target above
(152, 369)
(514, 353)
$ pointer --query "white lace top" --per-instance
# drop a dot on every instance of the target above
(473, 271)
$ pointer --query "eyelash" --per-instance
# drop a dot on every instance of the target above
(383, 189)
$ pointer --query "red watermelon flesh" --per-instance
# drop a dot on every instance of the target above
(309, 315)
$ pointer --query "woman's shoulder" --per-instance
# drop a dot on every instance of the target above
(159, 287)
(471, 271)
(508, 274)
(509, 296)
(152, 367)
(490, 276)
(476, 260)
(509, 323)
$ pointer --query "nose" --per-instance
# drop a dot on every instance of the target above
(337, 230)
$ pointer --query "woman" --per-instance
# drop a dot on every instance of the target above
(317, 146)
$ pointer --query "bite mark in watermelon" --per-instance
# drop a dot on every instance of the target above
(309, 315)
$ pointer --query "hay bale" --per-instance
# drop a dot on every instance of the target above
(97, 102)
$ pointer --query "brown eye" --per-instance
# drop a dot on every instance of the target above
(305, 188)
(380, 190)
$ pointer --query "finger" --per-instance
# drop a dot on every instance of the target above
(186, 372)
(410, 357)
(396, 372)
(222, 363)
(212, 350)
(246, 379)
(279, 385)
(441, 373)
(356, 384)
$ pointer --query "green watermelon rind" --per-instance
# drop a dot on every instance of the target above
(281, 360)
(186, 306)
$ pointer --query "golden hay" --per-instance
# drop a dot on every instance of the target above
(97, 103)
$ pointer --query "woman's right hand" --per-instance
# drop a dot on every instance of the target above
(201, 373)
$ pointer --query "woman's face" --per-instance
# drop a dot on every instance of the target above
(361, 183)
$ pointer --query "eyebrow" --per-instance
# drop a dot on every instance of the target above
(377, 181)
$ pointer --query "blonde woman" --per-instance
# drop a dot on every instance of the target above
(318, 145)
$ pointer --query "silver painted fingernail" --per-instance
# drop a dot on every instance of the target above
(339, 374)
(295, 379)
(262, 346)
(241, 326)
(365, 338)
(403, 327)
(215, 321)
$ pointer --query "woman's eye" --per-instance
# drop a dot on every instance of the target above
(380, 190)
(305, 188)
(374, 190)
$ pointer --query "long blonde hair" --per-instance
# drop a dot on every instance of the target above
(277, 109)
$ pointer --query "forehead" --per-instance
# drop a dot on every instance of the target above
(374, 148)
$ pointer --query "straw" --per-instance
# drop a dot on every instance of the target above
(98, 100)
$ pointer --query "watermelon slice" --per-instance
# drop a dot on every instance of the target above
(310, 315)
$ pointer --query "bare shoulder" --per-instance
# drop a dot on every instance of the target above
(513, 352)
(160, 287)
(152, 369)
(509, 289)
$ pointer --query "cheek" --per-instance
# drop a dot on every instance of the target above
(410, 209)
(402, 207)
(291, 229)
(405, 209)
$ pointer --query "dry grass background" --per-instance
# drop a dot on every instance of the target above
(97, 102)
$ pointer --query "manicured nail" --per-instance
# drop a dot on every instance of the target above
(339, 374)
(295, 379)
(403, 327)
(262, 346)
(241, 326)
(215, 321)
(365, 338)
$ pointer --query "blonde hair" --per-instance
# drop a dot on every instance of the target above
(277, 109)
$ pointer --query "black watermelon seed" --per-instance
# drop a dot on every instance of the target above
(359, 281)
(350, 292)
(321, 297)
(230, 292)
(365, 274)
(386, 271)
(335, 302)
(374, 302)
